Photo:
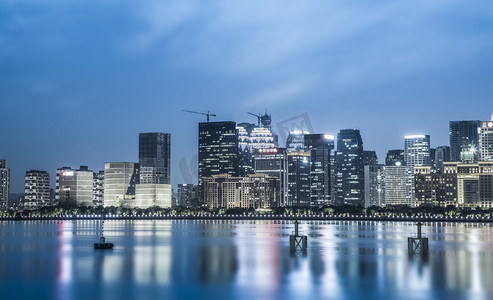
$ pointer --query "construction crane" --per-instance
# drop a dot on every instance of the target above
(259, 117)
(208, 114)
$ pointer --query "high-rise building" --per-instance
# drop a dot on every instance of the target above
(187, 195)
(486, 140)
(98, 188)
(370, 158)
(350, 179)
(299, 178)
(218, 151)
(4, 184)
(442, 155)
(463, 136)
(250, 139)
(253, 191)
(296, 140)
(395, 158)
(154, 157)
(245, 156)
(416, 154)
(120, 179)
(37, 190)
(433, 163)
(274, 162)
(417, 150)
(322, 160)
(374, 185)
(74, 187)
(396, 181)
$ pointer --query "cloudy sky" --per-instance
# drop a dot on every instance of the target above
(80, 79)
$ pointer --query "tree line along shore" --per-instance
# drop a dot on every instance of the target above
(335, 212)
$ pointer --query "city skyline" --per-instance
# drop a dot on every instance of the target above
(80, 82)
(178, 178)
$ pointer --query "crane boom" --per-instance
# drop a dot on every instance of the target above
(259, 117)
(208, 114)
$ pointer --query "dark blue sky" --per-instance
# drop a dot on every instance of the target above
(80, 79)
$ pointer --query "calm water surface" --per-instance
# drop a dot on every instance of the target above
(242, 260)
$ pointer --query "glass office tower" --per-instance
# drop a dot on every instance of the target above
(350, 181)
(218, 151)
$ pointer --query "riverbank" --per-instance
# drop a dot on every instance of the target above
(258, 217)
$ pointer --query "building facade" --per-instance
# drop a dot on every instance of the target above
(151, 194)
(274, 162)
(74, 187)
(187, 195)
(254, 191)
(37, 190)
(322, 168)
(250, 139)
(463, 135)
(396, 181)
(4, 184)
(395, 158)
(296, 140)
(98, 188)
(442, 154)
(486, 140)
(120, 179)
(374, 185)
(218, 151)
(350, 178)
(299, 178)
(474, 183)
(417, 150)
(434, 189)
(154, 157)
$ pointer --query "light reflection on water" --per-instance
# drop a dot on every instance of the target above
(242, 260)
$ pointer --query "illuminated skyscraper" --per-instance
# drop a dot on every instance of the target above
(374, 185)
(350, 181)
(250, 139)
(4, 184)
(486, 140)
(299, 178)
(322, 160)
(396, 182)
(416, 154)
(395, 158)
(296, 140)
(218, 151)
(417, 150)
(274, 162)
(463, 136)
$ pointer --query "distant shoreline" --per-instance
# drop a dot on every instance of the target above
(261, 217)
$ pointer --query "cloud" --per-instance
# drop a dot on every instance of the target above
(284, 92)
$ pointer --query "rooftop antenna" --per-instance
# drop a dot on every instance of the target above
(208, 114)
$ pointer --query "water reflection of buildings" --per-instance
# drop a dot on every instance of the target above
(211, 259)
(343, 257)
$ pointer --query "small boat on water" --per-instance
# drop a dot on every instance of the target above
(102, 240)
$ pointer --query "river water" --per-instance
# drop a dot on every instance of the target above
(214, 259)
